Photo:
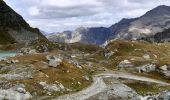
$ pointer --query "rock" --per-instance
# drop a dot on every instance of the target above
(164, 95)
(15, 93)
(87, 78)
(28, 51)
(147, 68)
(76, 63)
(164, 68)
(165, 73)
(125, 63)
(54, 61)
(146, 56)
(109, 54)
(52, 87)
(14, 61)
(32, 51)
(20, 88)
(79, 83)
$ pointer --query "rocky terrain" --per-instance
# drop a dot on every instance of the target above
(36, 69)
(130, 70)
(154, 21)
(13, 28)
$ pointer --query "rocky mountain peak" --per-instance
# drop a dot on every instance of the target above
(14, 28)
(158, 11)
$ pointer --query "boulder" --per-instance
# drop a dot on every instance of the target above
(28, 51)
(147, 68)
(164, 68)
(147, 57)
(164, 95)
(109, 54)
(125, 63)
(54, 61)
(15, 93)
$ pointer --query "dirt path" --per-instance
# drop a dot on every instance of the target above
(99, 86)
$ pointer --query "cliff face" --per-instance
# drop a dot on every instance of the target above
(13, 28)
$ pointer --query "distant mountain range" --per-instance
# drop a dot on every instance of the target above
(14, 29)
(154, 21)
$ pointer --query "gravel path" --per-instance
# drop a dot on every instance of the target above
(99, 86)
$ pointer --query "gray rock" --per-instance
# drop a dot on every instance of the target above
(54, 61)
(164, 95)
(125, 63)
(15, 93)
(52, 87)
(147, 68)
(147, 57)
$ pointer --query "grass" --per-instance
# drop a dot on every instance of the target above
(67, 74)
(144, 88)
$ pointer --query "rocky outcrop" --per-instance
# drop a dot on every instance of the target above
(54, 61)
(13, 28)
(146, 68)
(165, 70)
(15, 93)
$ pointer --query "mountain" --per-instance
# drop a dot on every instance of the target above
(159, 37)
(13, 28)
(95, 35)
(152, 22)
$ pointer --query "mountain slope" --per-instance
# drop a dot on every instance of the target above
(95, 35)
(13, 28)
(159, 37)
(154, 21)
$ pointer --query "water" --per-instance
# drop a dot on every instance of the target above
(4, 55)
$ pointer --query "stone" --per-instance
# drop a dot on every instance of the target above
(125, 63)
(164, 68)
(87, 78)
(76, 63)
(54, 61)
(14, 61)
(164, 95)
(146, 56)
(147, 68)
(16, 92)
(52, 87)
(32, 51)
(109, 54)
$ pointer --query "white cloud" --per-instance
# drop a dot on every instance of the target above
(33, 11)
(59, 15)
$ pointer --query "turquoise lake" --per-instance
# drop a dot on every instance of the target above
(4, 55)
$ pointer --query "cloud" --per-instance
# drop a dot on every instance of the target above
(59, 15)
(34, 11)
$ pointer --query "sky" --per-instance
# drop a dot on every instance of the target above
(62, 15)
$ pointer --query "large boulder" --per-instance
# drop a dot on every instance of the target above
(54, 61)
(147, 68)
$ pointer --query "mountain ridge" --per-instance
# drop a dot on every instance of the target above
(152, 22)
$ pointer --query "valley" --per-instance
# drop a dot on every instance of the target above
(130, 60)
